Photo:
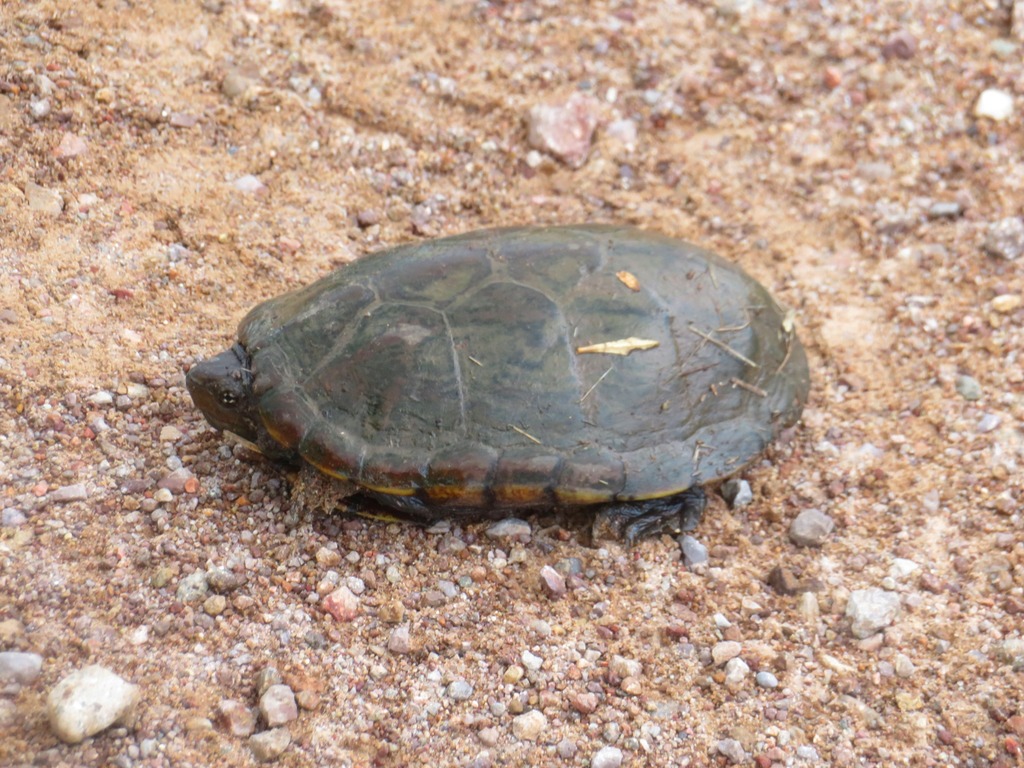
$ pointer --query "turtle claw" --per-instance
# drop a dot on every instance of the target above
(633, 520)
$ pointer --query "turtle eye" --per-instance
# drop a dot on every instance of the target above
(228, 399)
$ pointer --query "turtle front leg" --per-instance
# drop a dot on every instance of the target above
(630, 521)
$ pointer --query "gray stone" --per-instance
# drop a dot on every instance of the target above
(810, 528)
(807, 753)
(871, 610)
(737, 493)
(459, 690)
(12, 518)
(89, 701)
(20, 668)
(694, 553)
(732, 750)
(193, 588)
(968, 387)
(269, 745)
(766, 679)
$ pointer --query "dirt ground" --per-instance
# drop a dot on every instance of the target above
(166, 165)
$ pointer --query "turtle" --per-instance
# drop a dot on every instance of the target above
(599, 368)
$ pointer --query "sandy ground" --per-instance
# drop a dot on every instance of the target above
(166, 165)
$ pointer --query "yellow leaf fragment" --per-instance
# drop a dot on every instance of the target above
(629, 280)
(617, 347)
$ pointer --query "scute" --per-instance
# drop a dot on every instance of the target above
(447, 372)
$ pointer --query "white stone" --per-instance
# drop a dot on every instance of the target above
(89, 701)
(607, 757)
(994, 104)
(529, 725)
(901, 568)
(871, 610)
(736, 671)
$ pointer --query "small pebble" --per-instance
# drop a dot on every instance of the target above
(277, 705)
(903, 666)
(398, 640)
(531, 661)
(70, 146)
(607, 757)
(308, 700)
(215, 605)
(968, 387)
(193, 587)
(40, 109)
(1005, 238)
(811, 528)
(552, 582)
(234, 84)
(529, 726)
(724, 651)
(508, 528)
(766, 679)
(584, 703)
(694, 553)
(623, 667)
(489, 736)
(733, 8)
(807, 753)
(43, 200)
(89, 701)
(459, 690)
(737, 493)
(1007, 303)
(236, 718)
(20, 668)
(564, 129)
(902, 45)
(566, 749)
(736, 671)
(783, 581)
(901, 568)
(871, 610)
(342, 604)
(994, 104)
(249, 185)
(68, 493)
(269, 745)
(945, 210)
(733, 750)
(169, 434)
(12, 518)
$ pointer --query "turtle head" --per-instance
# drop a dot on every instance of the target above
(221, 388)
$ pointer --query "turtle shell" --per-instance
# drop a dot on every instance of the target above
(455, 372)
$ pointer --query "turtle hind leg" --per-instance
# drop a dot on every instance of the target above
(630, 521)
